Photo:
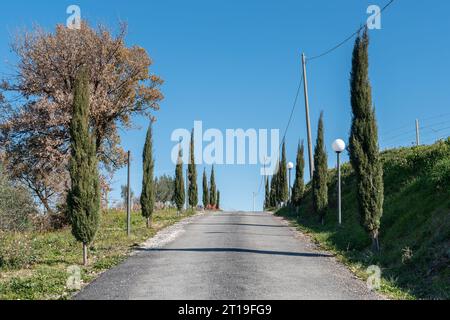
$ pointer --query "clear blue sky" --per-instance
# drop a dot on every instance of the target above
(236, 64)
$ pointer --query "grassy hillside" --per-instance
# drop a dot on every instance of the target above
(34, 265)
(415, 227)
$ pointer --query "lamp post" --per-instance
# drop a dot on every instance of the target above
(290, 165)
(339, 147)
(128, 196)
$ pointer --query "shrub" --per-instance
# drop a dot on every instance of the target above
(16, 205)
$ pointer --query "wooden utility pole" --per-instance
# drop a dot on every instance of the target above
(128, 197)
(308, 122)
(417, 133)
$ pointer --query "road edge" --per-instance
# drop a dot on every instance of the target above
(133, 251)
(316, 245)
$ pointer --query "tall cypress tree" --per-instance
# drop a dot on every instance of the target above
(179, 193)
(363, 145)
(274, 189)
(148, 182)
(299, 184)
(283, 192)
(205, 190)
(192, 176)
(267, 195)
(218, 200)
(83, 199)
(319, 183)
(212, 190)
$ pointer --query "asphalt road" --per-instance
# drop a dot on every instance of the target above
(230, 256)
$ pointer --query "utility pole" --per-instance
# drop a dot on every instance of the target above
(308, 122)
(128, 197)
(417, 133)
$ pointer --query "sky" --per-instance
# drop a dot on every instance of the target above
(236, 64)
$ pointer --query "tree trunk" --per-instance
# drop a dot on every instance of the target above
(149, 222)
(375, 241)
(85, 254)
(45, 203)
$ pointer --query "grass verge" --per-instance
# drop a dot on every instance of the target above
(415, 227)
(34, 266)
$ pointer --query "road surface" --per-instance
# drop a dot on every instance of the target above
(230, 256)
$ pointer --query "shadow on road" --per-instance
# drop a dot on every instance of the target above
(239, 250)
(249, 234)
(239, 224)
(235, 215)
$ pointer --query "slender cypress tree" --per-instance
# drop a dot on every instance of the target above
(218, 200)
(274, 189)
(319, 183)
(299, 184)
(148, 182)
(283, 190)
(267, 195)
(83, 199)
(205, 190)
(212, 190)
(192, 176)
(363, 146)
(179, 193)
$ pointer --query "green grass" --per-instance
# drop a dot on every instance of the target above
(415, 227)
(34, 265)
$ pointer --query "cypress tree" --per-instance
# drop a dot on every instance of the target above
(205, 190)
(179, 193)
(299, 184)
(274, 189)
(218, 200)
(363, 145)
(267, 195)
(192, 176)
(212, 190)
(319, 183)
(83, 198)
(148, 187)
(283, 191)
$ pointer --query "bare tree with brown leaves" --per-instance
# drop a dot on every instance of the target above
(34, 128)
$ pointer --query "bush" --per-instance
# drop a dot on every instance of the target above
(16, 205)
(440, 175)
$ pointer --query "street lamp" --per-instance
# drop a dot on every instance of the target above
(339, 147)
(290, 165)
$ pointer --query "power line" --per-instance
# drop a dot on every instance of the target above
(438, 130)
(292, 112)
(291, 116)
(429, 137)
(444, 115)
(430, 127)
(393, 132)
(401, 135)
(348, 38)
